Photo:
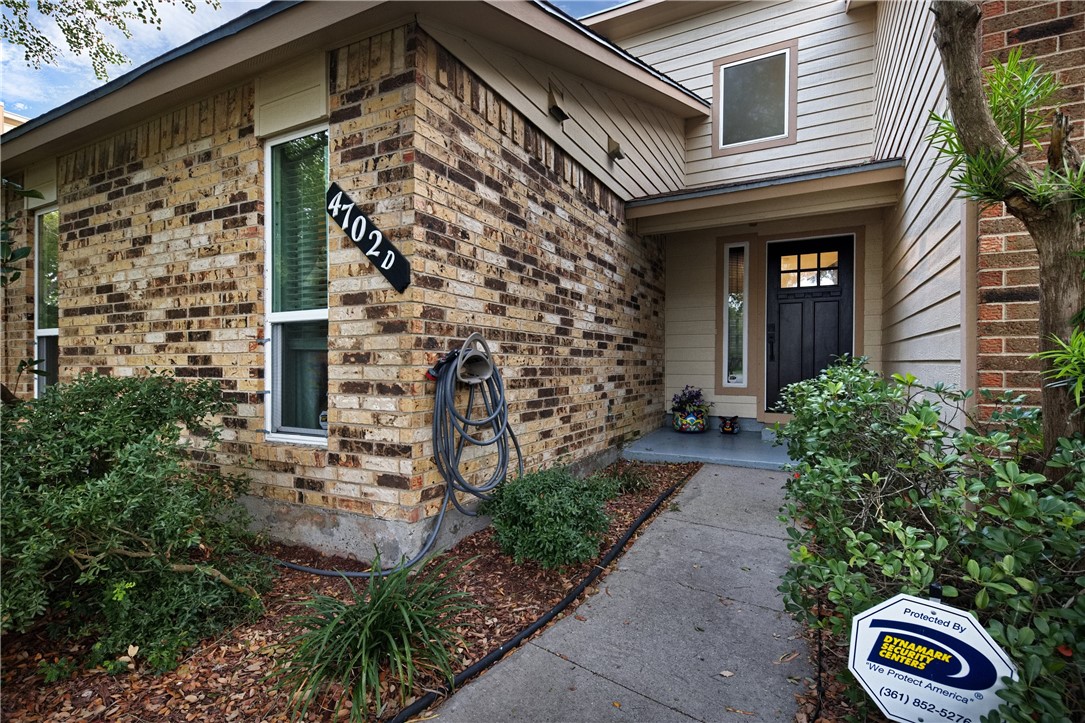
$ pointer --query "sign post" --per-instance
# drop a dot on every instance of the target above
(926, 662)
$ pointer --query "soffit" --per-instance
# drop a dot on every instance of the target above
(874, 185)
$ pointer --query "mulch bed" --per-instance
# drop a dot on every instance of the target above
(224, 679)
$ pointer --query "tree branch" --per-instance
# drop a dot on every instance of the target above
(956, 36)
(172, 566)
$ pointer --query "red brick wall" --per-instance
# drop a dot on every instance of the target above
(1008, 326)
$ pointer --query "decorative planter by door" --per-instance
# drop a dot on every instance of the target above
(690, 421)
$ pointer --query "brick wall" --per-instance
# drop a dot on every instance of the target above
(515, 240)
(161, 267)
(1008, 326)
(17, 320)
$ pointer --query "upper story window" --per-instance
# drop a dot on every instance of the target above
(755, 102)
(297, 287)
(47, 298)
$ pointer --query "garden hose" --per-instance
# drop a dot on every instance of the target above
(471, 364)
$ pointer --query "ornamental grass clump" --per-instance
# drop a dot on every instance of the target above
(397, 628)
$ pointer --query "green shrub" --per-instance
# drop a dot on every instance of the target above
(886, 498)
(110, 526)
(550, 517)
(402, 623)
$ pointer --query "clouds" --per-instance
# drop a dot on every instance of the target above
(32, 92)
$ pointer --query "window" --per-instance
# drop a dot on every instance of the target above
(47, 296)
(734, 315)
(805, 270)
(297, 288)
(755, 99)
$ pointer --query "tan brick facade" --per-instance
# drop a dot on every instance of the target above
(162, 262)
(1008, 324)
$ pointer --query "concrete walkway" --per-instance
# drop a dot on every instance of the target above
(689, 627)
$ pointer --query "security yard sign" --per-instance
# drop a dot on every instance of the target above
(925, 662)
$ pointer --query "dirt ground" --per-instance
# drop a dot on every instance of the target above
(224, 679)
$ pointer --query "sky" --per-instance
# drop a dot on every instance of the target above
(30, 92)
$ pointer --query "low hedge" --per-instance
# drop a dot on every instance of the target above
(895, 487)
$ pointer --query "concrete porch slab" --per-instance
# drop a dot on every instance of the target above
(745, 449)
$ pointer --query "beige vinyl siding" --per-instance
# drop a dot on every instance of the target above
(652, 140)
(690, 323)
(835, 82)
(923, 303)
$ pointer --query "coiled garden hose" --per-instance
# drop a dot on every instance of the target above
(471, 364)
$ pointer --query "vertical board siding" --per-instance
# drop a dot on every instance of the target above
(835, 83)
(924, 236)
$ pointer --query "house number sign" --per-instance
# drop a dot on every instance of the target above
(367, 237)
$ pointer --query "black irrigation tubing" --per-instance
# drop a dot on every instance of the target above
(497, 653)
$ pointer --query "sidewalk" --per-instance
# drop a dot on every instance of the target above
(695, 596)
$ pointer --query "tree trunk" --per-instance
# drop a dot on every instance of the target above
(1055, 230)
(1062, 295)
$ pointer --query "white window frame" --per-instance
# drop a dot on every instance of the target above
(790, 51)
(273, 319)
(744, 381)
(41, 333)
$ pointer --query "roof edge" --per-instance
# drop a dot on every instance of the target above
(237, 25)
(587, 32)
(727, 188)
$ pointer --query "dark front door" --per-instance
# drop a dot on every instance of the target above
(808, 311)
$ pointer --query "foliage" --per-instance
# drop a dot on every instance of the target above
(81, 23)
(550, 516)
(401, 623)
(111, 528)
(625, 478)
(690, 399)
(1016, 90)
(9, 254)
(1067, 364)
(886, 498)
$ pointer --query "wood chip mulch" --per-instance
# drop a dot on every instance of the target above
(224, 679)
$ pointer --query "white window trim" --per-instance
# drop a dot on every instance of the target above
(745, 246)
(39, 332)
(272, 369)
(787, 50)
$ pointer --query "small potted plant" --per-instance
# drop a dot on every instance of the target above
(690, 410)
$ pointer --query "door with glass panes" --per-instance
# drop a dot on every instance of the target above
(809, 309)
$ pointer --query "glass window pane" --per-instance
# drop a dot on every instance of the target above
(753, 97)
(789, 280)
(789, 263)
(830, 260)
(299, 224)
(828, 277)
(303, 375)
(47, 288)
(49, 352)
(809, 261)
(808, 278)
(735, 371)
